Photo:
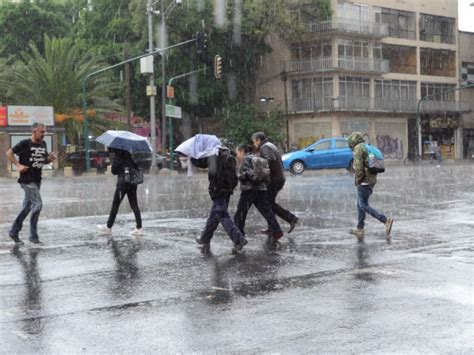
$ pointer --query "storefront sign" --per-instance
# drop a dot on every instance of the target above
(444, 122)
(27, 115)
(3, 116)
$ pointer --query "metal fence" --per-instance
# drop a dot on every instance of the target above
(350, 26)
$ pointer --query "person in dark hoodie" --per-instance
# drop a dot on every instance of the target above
(269, 151)
(365, 182)
(222, 176)
(253, 187)
(121, 166)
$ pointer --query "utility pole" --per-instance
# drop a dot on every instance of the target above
(151, 48)
(163, 77)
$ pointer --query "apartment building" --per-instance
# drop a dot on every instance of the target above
(365, 69)
(466, 64)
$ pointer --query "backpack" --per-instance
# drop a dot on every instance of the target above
(261, 170)
(226, 171)
(375, 159)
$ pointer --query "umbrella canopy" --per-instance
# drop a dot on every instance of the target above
(124, 140)
(200, 146)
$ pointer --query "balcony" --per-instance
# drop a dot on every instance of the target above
(356, 103)
(364, 65)
(351, 26)
(445, 106)
(325, 64)
(311, 105)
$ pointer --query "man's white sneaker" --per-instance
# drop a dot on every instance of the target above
(104, 229)
(137, 232)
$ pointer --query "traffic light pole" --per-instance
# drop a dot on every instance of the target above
(100, 71)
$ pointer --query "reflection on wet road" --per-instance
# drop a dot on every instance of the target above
(319, 290)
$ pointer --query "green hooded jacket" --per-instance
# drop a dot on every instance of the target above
(361, 162)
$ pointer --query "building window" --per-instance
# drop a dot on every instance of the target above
(467, 73)
(402, 58)
(354, 87)
(353, 49)
(309, 51)
(401, 24)
(437, 29)
(395, 90)
(437, 62)
(437, 90)
(311, 94)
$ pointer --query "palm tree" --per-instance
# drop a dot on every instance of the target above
(55, 77)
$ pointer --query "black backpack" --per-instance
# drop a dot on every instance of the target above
(226, 171)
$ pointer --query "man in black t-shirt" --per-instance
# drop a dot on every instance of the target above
(32, 154)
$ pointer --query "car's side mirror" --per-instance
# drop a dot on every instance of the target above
(311, 150)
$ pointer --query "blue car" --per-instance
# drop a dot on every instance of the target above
(332, 153)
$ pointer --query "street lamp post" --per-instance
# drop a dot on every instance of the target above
(152, 86)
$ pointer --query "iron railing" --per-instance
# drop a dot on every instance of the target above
(348, 25)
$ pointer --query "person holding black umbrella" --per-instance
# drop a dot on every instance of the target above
(129, 175)
(125, 168)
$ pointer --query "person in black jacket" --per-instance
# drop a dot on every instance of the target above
(122, 163)
(222, 182)
(253, 192)
(270, 152)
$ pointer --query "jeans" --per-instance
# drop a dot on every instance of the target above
(219, 214)
(273, 189)
(259, 199)
(131, 192)
(32, 203)
(363, 194)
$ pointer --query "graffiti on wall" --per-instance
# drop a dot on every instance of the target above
(392, 148)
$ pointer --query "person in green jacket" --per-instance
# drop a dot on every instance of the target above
(365, 182)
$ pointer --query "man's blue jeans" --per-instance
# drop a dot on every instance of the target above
(219, 214)
(32, 203)
(363, 194)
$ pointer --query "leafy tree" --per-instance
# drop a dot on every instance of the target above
(54, 78)
(23, 23)
(241, 121)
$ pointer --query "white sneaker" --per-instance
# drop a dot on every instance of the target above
(137, 232)
(104, 229)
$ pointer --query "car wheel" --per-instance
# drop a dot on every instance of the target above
(350, 167)
(297, 167)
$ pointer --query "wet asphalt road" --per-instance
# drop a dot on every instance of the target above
(319, 291)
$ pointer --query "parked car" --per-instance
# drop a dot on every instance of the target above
(162, 161)
(332, 153)
(98, 160)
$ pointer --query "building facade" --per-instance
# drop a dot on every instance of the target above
(366, 69)
(466, 64)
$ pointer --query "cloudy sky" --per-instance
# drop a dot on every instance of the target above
(466, 15)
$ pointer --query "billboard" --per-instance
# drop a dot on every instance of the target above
(27, 115)
(3, 116)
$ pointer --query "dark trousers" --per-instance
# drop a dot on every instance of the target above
(259, 199)
(32, 203)
(272, 191)
(131, 192)
(363, 194)
(219, 214)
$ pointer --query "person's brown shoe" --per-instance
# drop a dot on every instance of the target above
(359, 233)
(388, 227)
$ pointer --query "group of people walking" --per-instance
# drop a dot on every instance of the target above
(258, 169)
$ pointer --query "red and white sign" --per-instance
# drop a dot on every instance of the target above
(27, 115)
(3, 116)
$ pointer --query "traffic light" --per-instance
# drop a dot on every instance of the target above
(201, 42)
(218, 66)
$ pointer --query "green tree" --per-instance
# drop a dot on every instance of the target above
(23, 23)
(54, 78)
